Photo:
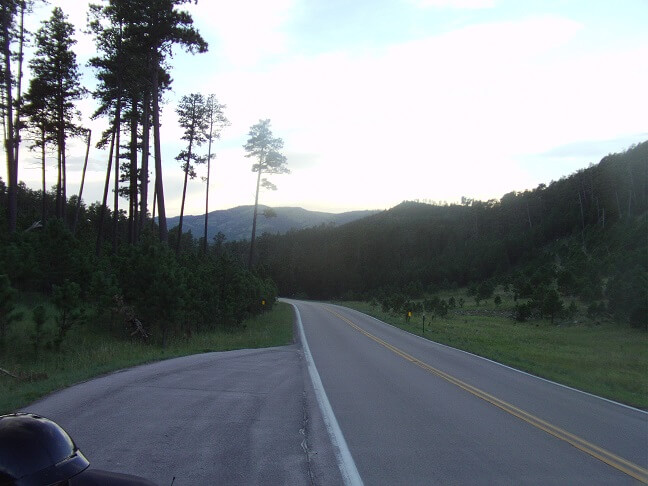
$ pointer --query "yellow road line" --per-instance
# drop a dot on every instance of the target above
(607, 457)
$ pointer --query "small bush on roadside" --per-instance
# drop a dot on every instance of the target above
(522, 312)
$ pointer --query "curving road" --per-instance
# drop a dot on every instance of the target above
(411, 411)
(358, 402)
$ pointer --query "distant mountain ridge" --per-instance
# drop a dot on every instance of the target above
(236, 223)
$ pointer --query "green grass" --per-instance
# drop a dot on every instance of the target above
(600, 357)
(90, 351)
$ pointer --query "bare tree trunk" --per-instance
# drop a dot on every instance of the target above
(211, 125)
(184, 188)
(59, 181)
(4, 115)
(254, 220)
(144, 164)
(44, 208)
(61, 191)
(64, 185)
(21, 42)
(116, 199)
(132, 208)
(184, 194)
(154, 206)
(12, 166)
(83, 174)
(159, 189)
(105, 195)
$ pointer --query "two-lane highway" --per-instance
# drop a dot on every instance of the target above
(415, 412)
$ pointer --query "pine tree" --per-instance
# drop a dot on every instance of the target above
(146, 34)
(193, 118)
(265, 147)
(40, 123)
(217, 121)
(55, 66)
(162, 27)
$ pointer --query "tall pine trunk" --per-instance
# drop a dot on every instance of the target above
(60, 186)
(144, 164)
(21, 42)
(59, 179)
(12, 165)
(159, 189)
(104, 203)
(64, 184)
(254, 220)
(186, 178)
(211, 129)
(184, 195)
(132, 208)
(116, 198)
(83, 174)
(44, 208)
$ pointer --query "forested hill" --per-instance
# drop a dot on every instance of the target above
(236, 223)
(578, 233)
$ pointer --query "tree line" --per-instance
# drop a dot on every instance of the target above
(134, 41)
(116, 258)
(583, 236)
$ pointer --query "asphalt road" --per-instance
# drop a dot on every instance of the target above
(415, 412)
(358, 402)
(234, 418)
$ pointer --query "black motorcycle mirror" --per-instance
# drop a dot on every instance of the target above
(35, 451)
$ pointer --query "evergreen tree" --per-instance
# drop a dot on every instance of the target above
(146, 34)
(55, 66)
(265, 148)
(163, 26)
(217, 121)
(192, 116)
(40, 122)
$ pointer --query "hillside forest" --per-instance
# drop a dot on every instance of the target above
(582, 238)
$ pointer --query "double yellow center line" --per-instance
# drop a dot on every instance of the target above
(607, 457)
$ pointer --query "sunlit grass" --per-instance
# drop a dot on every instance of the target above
(92, 350)
(604, 358)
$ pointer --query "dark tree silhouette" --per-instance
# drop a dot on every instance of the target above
(263, 146)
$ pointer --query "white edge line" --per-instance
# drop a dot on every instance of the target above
(347, 466)
(499, 364)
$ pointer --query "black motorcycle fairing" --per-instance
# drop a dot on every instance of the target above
(36, 451)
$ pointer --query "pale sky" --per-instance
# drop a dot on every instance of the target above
(380, 101)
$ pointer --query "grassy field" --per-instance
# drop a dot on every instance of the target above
(600, 357)
(88, 352)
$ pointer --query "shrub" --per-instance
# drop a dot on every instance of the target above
(8, 312)
(522, 312)
(66, 298)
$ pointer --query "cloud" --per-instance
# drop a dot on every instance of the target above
(436, 118)
(245, 31)
(477, 111)
(458, 4)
